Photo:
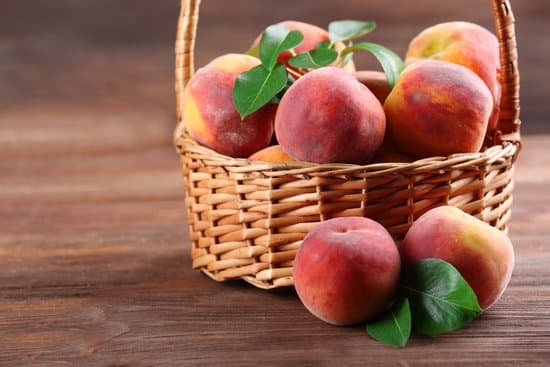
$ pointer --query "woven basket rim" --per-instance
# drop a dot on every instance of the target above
(185, 143)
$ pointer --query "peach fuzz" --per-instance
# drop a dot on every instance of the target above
(466, 44)
(346, 270)
(211, 117)
(377, 83)
(438, 109)
(481, 253)
(273, 154)
(327, 116)
(313, 35)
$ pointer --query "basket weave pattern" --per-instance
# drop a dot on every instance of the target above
(247, 219)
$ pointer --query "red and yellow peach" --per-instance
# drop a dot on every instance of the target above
(466, 44)
(389, 153)
(437, 109)
(346, 270)
(273, 154)
(327, 116)
(211, 117)
(481, 253)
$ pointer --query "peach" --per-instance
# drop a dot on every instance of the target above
(388, 153)
(313, 35)
(211, 117)
(376, 81)
(273, 154)
(481, 253)
(346, 270)
(466, 44)
(438, 109)
(327, 116)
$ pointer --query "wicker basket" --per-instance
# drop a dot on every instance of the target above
(247, 220)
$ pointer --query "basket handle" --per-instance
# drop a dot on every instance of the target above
(509, 123)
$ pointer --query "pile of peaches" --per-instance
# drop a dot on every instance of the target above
(444, 100)
(296, 96)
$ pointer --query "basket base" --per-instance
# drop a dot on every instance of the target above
(278, 283)
(248, 221)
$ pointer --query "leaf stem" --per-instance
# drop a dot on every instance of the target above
(294, 73)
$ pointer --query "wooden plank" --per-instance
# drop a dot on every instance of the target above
(105, 278)
(95, 266)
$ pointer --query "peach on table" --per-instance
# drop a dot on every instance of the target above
(346, 270)
(481, 253)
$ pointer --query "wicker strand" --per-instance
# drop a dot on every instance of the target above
(509, 124)
(185, 48)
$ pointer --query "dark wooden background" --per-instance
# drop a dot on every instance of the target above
(118, 53)
(94, 258)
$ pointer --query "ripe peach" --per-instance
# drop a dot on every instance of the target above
(346, 270)
(466, 44)
(481, 253)
(388, 153)
(376, 81)
(210, 115)
(327, 116)
(273, 154)
(313, 35)
(438, 109)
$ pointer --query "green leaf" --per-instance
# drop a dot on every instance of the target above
(254, 51)
(441, 300)
(324, 44)
(276, 39)
(394, 328)
(314, 59)
(345, 30)
(390, 61)
(256, 87)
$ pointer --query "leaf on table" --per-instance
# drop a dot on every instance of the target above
(257, 87)
(394, 328)
(441, 300)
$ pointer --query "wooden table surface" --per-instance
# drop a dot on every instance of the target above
(95, 267)
(96, 270)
